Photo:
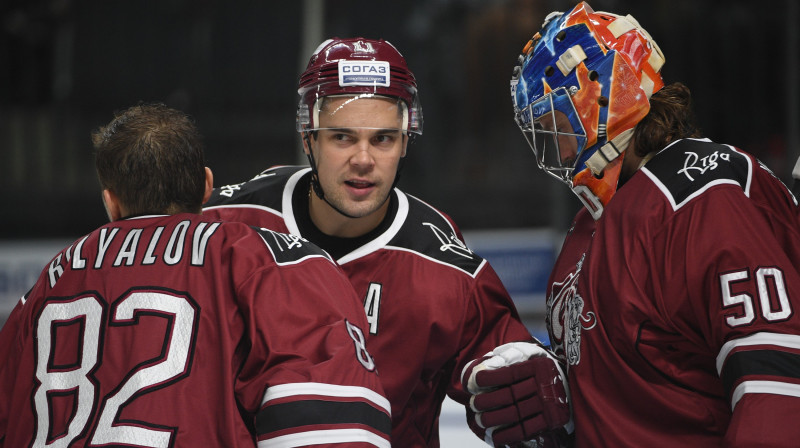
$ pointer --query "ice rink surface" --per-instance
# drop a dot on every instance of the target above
(453, 429)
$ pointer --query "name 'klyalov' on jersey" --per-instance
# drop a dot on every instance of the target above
(128, 253)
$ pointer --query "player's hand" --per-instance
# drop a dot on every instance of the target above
(519, 395)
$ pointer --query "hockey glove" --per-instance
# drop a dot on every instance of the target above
(520, 394)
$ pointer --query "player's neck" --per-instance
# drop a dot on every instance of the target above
(331, 222)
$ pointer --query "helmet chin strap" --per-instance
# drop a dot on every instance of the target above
(317, 187)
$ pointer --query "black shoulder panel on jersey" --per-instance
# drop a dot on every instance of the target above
(689, 167)
(266, 189)
(290, 249)
(428, 233)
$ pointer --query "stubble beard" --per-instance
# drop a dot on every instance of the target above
(357, 209)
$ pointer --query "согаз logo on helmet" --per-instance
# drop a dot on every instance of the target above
(363, 73)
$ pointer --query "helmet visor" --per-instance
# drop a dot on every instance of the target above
(555, 133)
(362, 111)
(311, 100)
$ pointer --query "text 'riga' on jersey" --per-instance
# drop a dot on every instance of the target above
(185, 238)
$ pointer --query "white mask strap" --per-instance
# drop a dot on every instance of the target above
(608, 152)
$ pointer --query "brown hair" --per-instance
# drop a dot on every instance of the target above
(671, 117)
(151, 157)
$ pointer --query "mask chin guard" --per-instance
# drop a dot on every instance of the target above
(589, 200)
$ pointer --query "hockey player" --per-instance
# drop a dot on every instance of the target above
(675, 298)
(432, 304)
(165, 328)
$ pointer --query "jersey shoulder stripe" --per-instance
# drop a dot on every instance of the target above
(428, 233)
(290, 249)
(688, 168)
(265, 189)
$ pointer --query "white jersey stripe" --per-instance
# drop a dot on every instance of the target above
(383, 239)
(776, 339)
(764, 387)
(255, 206)
(330, 390)
(325, 437)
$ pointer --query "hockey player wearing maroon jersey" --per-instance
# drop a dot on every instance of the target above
(675, 298)
(165, 328)
(432, 304)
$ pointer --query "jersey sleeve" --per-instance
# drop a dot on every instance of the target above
(491, 320)
(737, 262)
(308, 373)
(9, 353)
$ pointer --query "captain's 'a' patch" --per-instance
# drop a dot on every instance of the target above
(290, 249)
(687, 168)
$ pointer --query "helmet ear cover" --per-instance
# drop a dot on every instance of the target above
(610, 66)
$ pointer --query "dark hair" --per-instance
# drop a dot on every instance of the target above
(151, 157)
(671, 117)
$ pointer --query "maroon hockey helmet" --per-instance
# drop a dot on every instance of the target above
(359, 67)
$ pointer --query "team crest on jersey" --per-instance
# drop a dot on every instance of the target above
(450, 243)
(566, 318)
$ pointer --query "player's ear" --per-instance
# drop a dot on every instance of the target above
(306, 149)
(209, 185)
(111, 202)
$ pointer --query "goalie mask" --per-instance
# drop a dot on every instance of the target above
(582, 84)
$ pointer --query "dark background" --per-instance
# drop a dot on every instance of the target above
(67, 65)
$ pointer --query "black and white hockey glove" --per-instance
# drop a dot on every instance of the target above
(520, 396)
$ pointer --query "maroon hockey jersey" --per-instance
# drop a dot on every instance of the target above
(677, 311)
(432, 304)
(181, 331)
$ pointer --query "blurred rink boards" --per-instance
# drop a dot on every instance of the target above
(523, 259)
(21, 262)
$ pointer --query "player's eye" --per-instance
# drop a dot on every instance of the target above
(340, 137)
(384, 139)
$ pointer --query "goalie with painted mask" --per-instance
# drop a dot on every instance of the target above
(673, 300)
